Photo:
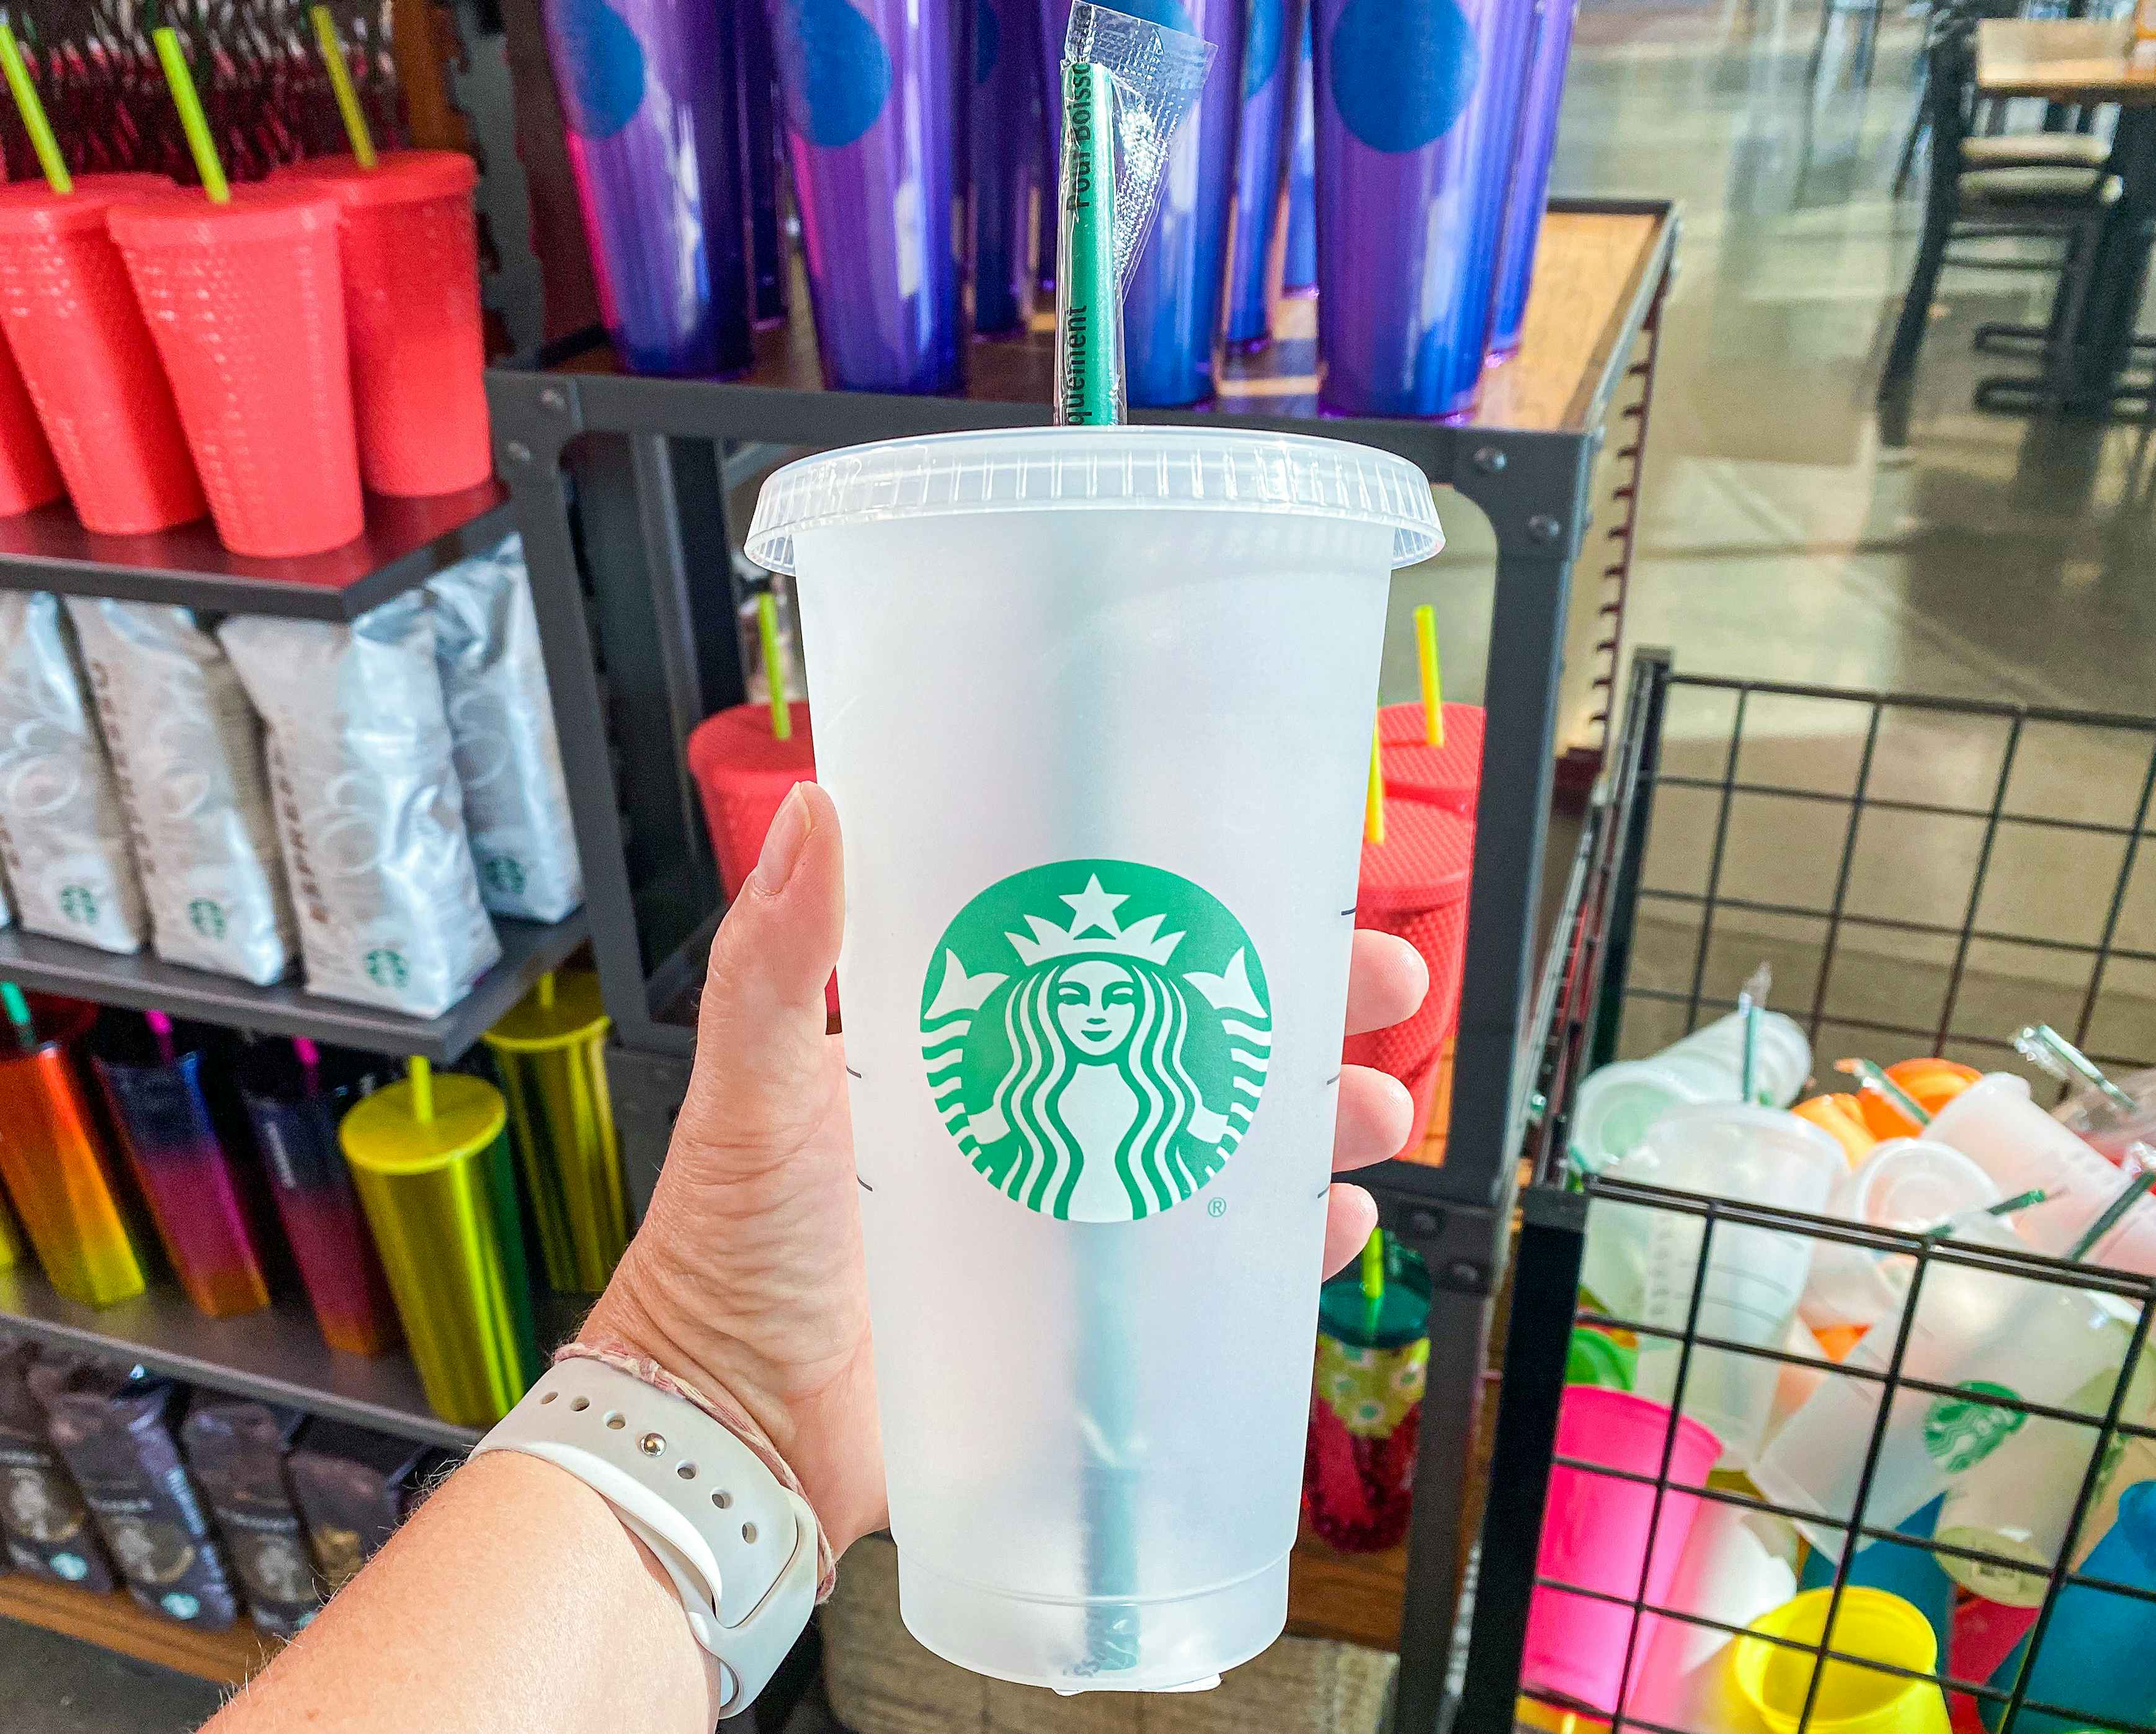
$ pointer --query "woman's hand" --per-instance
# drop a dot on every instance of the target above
(747, 1276)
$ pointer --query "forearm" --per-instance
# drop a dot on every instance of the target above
(513, 1602)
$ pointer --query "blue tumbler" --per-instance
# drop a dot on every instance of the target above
(2098, 1657)
(760, 153)
(1005, 69)
(1268, 96)
(1299, 256)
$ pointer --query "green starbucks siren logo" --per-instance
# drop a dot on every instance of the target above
(1096, 1035)
(1960, 1431)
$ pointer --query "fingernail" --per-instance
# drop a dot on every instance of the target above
(783, 844)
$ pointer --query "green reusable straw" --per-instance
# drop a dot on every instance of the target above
(1089, 326)
(2004, 1207)
(2129, 1195)
(1873, 1077)
(18, 1016)
(1749, 1001)
(33, 111)
(2042, 1045)
(347, 99)
(1373, 1277)
(192, 121)
(774, 670)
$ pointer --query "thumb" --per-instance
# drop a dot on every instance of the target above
(761, 1049)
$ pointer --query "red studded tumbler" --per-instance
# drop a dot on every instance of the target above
(28, 477)
(87, 358)
(1414, 884)
(246, 301)
(411, 313)
(1449, 775)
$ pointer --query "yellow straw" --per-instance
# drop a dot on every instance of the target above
(192, 121)
(33, 112)
(774, 671)
(1373, 1266)
(347, 99)
(1433, 683)
(547, 991)
(423, 1090)
(1373, 803)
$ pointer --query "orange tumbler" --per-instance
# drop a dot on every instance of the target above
(246, 301)
(88, 358)
(411, 315)
(1932, 1081)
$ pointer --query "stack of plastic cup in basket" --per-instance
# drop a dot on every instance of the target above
(1616, 1103)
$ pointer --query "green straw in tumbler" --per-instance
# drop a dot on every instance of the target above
(1873, 1076)
(2129, 1195)
(18, 1016)
(347, 99)
(33, 111)
(1374, 1278)
(1089, 326)
(1749, 1001)
(774, 669)
(192, 121)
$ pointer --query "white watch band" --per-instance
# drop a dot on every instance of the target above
(740, 1548)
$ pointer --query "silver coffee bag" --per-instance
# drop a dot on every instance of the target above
(186, 752)
(62, 832)
(368, 810)
(494, 684)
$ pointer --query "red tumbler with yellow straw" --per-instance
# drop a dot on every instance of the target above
(1432, 749)
(245, 297)
(430, 1160)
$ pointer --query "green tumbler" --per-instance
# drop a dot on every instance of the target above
(550, 1052)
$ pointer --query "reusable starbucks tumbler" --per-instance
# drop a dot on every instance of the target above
(195, 1195)
(1005, 76)
(1870, 1625)
(246, 302)
(744, 774)
(436, 1182)
(1172, 311)
(1907, 1184)
(2098, 1656)
(1597, 1532)
(1095, 1012)
(1996, 1337)
(28, 477)
(1265, 133)
(654, 136)
(1527, 193)
(88, 358)
(1366, 1405)
(2023, 1149)
(868, 89)
(1414, 885)
(1418, 103)
(294, 1108)
(1733, 1570)
(550, 1053)
(1450, 776)
(57, 1176)
(1299, 248)
(409, 247)
(1753, 1276)
(2093, 1117)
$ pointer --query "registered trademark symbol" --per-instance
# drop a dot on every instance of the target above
(1218, 1207)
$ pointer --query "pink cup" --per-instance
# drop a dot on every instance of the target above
(1595, 1531)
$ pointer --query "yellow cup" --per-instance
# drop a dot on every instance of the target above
(432, 1168)
(551, 1051)
(1870, 1626)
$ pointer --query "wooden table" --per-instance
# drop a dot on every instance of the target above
(2087, 63)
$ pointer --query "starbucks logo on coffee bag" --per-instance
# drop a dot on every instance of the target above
(1096, 1036)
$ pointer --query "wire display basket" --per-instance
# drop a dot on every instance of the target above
(1770, 1457)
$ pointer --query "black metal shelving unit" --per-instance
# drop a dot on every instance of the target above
(622, 489)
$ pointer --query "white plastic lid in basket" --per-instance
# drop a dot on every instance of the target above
(1100, 469)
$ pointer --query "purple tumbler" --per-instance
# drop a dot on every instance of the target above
(766, 233)
(1531, 175)
(1299, 253)
(1172, 314)
(1418, 105)
(1005, 71)
(647, 88)
(868, 91)
(1269, 68)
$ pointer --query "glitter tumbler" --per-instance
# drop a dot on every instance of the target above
(1531, 173)
(1269, 76)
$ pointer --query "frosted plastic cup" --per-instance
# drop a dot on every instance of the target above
(2019, 1502)
(28, 477)
(1100, 884)
(1869, 1625)
(410, 246)
(246, 301)
(1994, 1123)
(1735, 1566)
(1782, 1059)
(1992, 1333)
(1617, 1103)
(1907, 1184)
(1753, 1276)
(88, 358)
(1596, 1531)
(2093, 1116)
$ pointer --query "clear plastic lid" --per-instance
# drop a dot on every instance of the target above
(1103, 468)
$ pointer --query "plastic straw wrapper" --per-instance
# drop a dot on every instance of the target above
(1128, 84)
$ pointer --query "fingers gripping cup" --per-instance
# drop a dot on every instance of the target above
(409, 249)
(1098, 1023)
(88, 358)
(246, 301)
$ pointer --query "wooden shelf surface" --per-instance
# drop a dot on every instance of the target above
(113, 1621)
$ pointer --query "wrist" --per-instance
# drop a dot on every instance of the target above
(633, 1318)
